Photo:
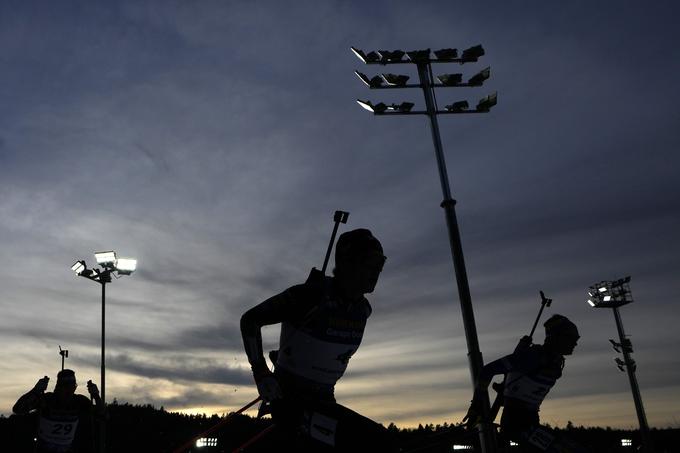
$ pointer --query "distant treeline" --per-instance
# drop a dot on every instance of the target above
(143, 428)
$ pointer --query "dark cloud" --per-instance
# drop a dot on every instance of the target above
(222, 337)
(226, 337)
(191, 397)
(180, 368)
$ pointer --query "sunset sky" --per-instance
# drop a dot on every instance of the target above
(212, 140)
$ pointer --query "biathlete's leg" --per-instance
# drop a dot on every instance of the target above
(541, 439)
(344, 430)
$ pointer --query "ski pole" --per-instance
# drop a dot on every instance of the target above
(209, 431)
(500, 387)
(254, 439)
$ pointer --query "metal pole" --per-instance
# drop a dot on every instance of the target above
(630, 368)
(486, 433)
(102, 425)
(103, 342)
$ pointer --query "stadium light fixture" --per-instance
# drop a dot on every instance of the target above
(620, 364)
(403, 107)
(371, 57)
(450, 80)
(206, 442)
(78, 267)
(609, 294)
(368, 105)
(105, 259)
(373, 82)
(126, 266)
(458, 106)
(485, 104)
(391, 56)
(479, 78)
(472, 54)
(395, 79)
(418, 56)
(446, 54)
(626, 442)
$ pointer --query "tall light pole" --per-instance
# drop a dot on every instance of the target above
(614, 294)
(423, 60)
(109, 263)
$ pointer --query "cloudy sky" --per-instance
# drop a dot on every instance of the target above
(213, 141)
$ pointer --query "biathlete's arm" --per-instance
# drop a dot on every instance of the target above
(99, 410)
(500, 366)
(272, 311)
(31, 400)
(27, 403)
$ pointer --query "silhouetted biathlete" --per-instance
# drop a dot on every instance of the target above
(531, 371)
(60, 413)
(322, 324)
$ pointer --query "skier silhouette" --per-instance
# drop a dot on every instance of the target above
(322, 324)
(531, 371)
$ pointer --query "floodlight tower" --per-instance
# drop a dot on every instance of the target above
(423, 60)
(614, 294)
(109, 263)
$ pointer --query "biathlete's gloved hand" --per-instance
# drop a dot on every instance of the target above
(92, 389)
(41, 385)
(523, 344)
(267, 386)
(474, 414)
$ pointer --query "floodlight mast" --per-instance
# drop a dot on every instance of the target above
(635, 388)
(423, 62)
(109, 264)
(614, 294)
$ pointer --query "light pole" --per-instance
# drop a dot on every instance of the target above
(614, 294)
(423, 61)
(109, 263)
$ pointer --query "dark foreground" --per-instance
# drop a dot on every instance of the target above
(146, 429)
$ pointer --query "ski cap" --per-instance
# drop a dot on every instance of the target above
(66, 377)
(560, 325)
(356, 244)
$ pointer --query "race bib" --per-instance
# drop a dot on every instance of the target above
(541, 438)
(57, 432)
(530, 389)
(323, 428)
(321, 361)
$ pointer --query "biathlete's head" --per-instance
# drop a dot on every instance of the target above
(66, 383)
(359, 259)
(561, 335)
